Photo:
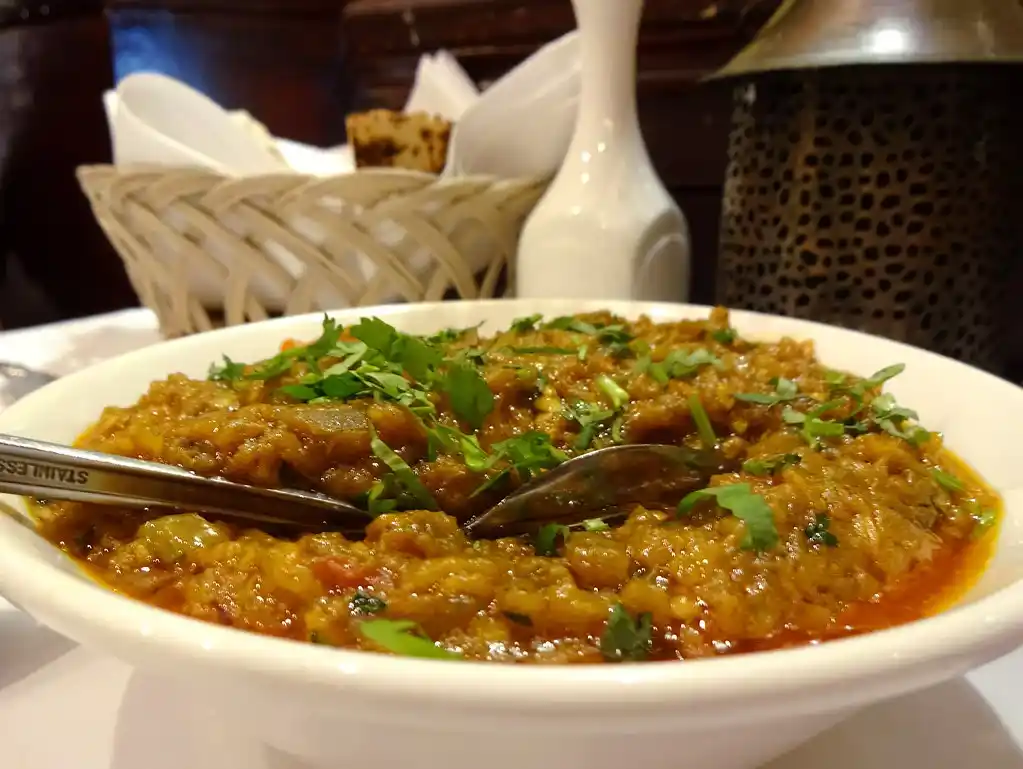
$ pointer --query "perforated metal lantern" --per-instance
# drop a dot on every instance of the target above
(882, 198)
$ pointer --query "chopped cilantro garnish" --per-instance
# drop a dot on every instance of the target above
(618, 395)
(751, 508)
(404, 637)
(834, 378)
(546, 540)
(227, 372)
(626, 639)
(814, 429)
(947, 481)
(527, 323)
(527, 454)
(282, 362)
(612, 334)
(363, 603)
(470, 397)
(784, 390)
(858, 390)
(702, 422)
(770, 465)
(596, 524)
(817, 533)
(882, 376)
(449, 335)
(615, 336)
(725, 336)
(378, 499)
(568, 323)
(589, 416)
(892, 418)
(403, 474)
(679, 364)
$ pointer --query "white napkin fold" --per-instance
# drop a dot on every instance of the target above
(157, 120)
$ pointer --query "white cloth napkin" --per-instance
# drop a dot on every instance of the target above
(157, 120)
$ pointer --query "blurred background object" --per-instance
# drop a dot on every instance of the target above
(875, 174)
(55, 63)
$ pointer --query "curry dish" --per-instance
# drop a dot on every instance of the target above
(843, 515)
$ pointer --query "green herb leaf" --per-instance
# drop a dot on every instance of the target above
(376, 501)
(470, 397)
(784, 390)
(527, 454)
(816, 429)
(817, 532)
(615, 336)
(404, 474)
(892, 418)
(568, 323)
(770, 465)
(947, 481)
(449, 335)
(546, 540)
(589, 416)
(626, 639)
(363, 604)
(740, 500)
(227, 372)
(725, 336)
(596, 524)
(834, 378)
(527, 323)
(618, 395)
(283, 361)
(882, 376)
(404, 637)
(702, 421)
(301, 393)
(682, 364)
(375, 334)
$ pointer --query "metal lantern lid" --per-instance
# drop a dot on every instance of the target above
(806, 34)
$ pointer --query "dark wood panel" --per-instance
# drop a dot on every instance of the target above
(51, 121)
(286, 69)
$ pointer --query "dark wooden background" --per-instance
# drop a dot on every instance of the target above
(299, 65)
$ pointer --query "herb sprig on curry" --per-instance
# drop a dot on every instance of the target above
(843, 514)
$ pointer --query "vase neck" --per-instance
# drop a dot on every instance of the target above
(608, 31)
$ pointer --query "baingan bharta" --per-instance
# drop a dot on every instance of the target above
(842, 515)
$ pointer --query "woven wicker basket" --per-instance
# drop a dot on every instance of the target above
(203, 250)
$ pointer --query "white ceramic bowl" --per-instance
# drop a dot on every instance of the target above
(356, 709)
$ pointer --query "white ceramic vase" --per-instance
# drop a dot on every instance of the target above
(607, 228)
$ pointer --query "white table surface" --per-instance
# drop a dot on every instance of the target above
(68, 707)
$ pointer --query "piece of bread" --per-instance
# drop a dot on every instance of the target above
(383, 138)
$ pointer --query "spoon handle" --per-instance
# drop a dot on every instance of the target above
(52, 471)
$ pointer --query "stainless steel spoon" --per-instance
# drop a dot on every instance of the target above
(579, 489)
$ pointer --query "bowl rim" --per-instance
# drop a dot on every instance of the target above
(961, 636)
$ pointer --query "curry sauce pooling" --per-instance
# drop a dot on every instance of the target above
(844, 516)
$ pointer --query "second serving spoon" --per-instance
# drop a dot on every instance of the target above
(578, 489)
